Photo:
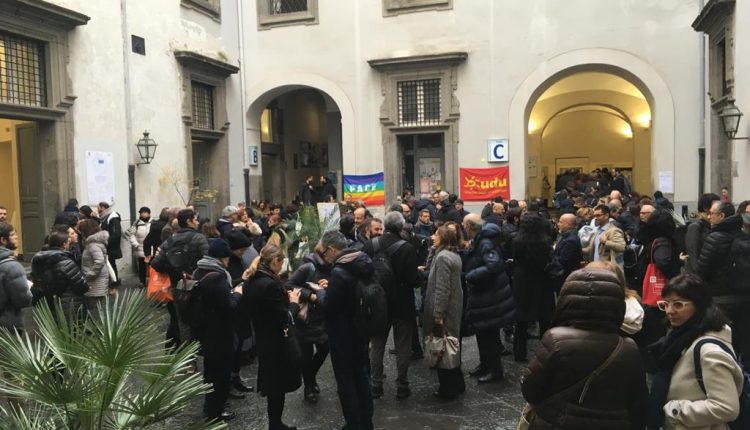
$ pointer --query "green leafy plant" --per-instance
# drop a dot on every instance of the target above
(111, 371)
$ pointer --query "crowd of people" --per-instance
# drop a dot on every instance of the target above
(615, 286)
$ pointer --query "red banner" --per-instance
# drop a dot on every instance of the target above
(481, 185)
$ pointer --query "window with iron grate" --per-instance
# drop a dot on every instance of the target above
(203, 106)
(419, 102)
(22, 71)
(278, 7)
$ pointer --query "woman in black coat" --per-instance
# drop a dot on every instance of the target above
(533, 289)
(271, 309)
(311, 324)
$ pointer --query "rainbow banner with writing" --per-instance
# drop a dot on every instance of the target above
(368, 188)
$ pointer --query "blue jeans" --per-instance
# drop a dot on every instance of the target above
(351, 367)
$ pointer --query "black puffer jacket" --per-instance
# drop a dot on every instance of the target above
(489, 303)
(339, 298)
(584, 334)
(713, 262)
(313, 270)
(56, 275)
(696, 235)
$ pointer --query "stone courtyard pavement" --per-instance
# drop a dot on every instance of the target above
(494, 406)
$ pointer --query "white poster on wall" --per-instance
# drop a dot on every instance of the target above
(100, 177)
(666, 181)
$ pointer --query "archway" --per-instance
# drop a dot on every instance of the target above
(302, 126)
(619, 63)
(587, 121)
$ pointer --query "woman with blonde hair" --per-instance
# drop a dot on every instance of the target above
(633, 310)
(273, 311)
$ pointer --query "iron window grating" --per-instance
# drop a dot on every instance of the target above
(280, 7)
(203, 106)
(22, 71)
(419, 102)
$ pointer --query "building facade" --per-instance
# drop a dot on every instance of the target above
(246, 99)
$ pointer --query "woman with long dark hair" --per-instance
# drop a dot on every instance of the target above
(443, 302)
(533, 288)
(271, 308)
(699, 338)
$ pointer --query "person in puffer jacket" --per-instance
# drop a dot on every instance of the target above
(56, 276)
(14, 287)
(489, 302)
(136, 235)
(583, 336)
(94, 264)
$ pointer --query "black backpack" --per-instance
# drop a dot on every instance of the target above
(381, 261)
(371, 307)
(46, 279)
(188, 299)
(738, 277)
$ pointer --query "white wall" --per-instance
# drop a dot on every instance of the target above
(507, 42)
(741, 148)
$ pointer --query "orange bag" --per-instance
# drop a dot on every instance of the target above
(653, 282)
(159, 286)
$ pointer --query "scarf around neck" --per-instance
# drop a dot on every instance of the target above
(667, 351)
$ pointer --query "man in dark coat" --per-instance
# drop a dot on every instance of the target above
(349, 355)
(57, 276)
(326, 189)
(568, 247)
(714, 265)
(401, 306)
(307, 192)
(489, 305)
(217, 305)
(111, 222)
(229, 216)
(698, 230)
(14, 287)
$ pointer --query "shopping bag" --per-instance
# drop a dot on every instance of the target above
(653, 282)
(159, 286)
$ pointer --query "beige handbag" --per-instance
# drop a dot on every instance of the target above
(111, 271)
(442, 352)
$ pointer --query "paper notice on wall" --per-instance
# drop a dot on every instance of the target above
(100, 177)
(666, 181)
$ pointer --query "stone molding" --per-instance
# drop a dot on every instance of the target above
(398, 7)
(267, 21)
(211, 8)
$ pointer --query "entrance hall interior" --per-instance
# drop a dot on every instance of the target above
(585, 121)
(300, 136)
(21, 178)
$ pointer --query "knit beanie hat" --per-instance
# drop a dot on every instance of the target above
(219, 248)
(237, 240)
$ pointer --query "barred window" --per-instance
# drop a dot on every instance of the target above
(22, 77)
(203, 106)
(419, 102)
(278, 7)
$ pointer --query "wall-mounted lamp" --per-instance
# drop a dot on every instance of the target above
(730, 119)
(146, 148)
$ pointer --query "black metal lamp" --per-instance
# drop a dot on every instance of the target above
(730, 119)
(146, 148)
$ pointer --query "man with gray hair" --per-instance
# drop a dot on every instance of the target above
(395, 262)
(348, 347)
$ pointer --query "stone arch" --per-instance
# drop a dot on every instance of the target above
(616, 62)
(261, 94)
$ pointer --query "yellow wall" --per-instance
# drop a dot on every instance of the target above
(9, 174)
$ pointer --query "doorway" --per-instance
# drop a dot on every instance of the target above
(422, 163)
(20, 161)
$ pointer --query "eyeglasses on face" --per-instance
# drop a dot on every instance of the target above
(677, 305)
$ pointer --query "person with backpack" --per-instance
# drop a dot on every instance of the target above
(57, 276)
(273, 311)
(724, 264)
(212, 307)
(395, 263)
(178, 256)
(315, 270)
(698, 383)
(15, 293)
(347, 327)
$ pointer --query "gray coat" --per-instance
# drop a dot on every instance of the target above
(444, 297)
(94, 264)
(15, 293)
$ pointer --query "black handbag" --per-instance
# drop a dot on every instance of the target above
(291, 351)
(553, 268)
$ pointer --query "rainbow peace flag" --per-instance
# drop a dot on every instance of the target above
(368, 188)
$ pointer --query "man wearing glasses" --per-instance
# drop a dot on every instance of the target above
(716, 265)
(609, 241)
